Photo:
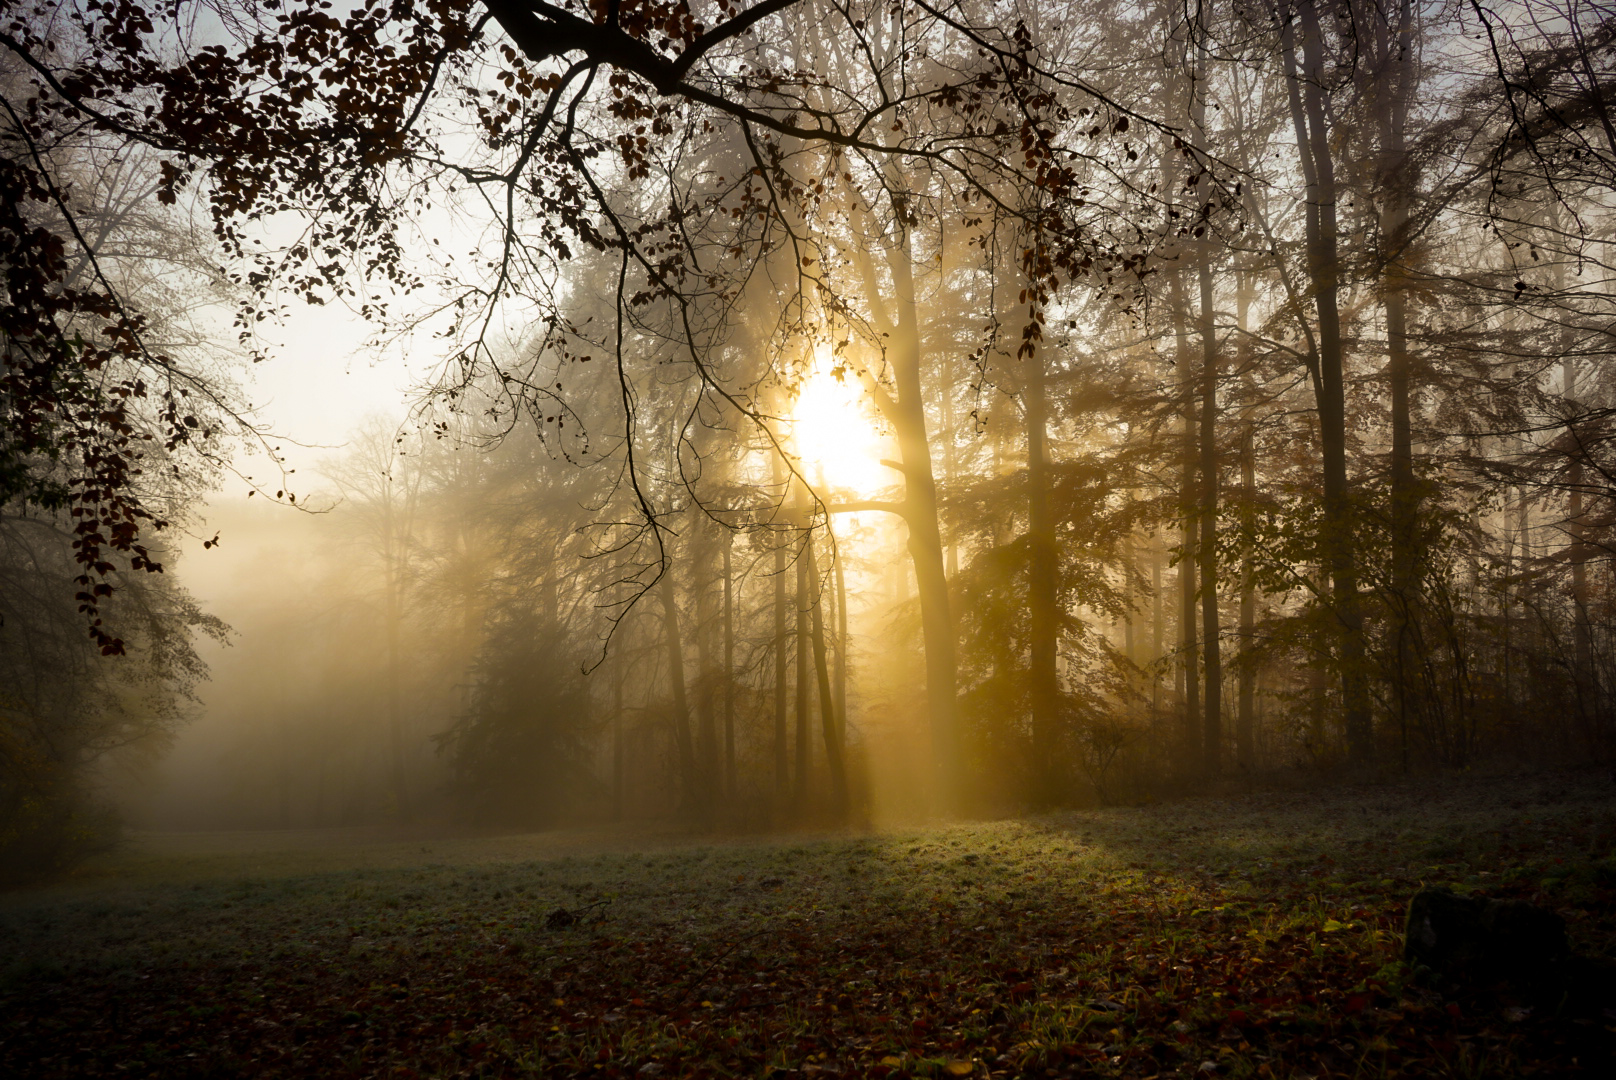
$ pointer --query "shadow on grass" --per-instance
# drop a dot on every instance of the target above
(1258, 934)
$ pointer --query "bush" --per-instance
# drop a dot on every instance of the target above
(43, 835)
(518, 752)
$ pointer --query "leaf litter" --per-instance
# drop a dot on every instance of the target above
(1251, 936)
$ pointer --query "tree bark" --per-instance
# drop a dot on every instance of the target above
(1306, 94)
(1043, 614)
(899, 323)
(799, 787)
(945, 399)
(782, 752)
(1389, 78)
(1207, 511)
(1158, 625)
(1189, 645)
(829, 727)
(841, 646)
(1576, 531)
(1130, 630)
(1245, 722)
(690, 795)
(1211, 631)
(925, 536)
(395, 542)
(707, 769)
(395, 711)
(617, 746)
(729, 670)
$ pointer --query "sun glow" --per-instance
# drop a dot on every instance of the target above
(835, 431)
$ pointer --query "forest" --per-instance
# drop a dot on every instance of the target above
(835, 410)
(961, 409)
(910, 538)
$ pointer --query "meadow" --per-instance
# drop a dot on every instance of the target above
(1254, 935)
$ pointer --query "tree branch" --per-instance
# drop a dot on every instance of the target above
(859, 506)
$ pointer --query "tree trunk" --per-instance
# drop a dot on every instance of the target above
(1158, 625)
(1576, 532)
(617, 746)
(1391, 74)
(1212, 660)
(782, 753)
(1130, 631)
(1245, 716)
(899, 323)
(1306, 92)
(395, 711)
(1211, 628)
(799, 789)
(841, 646)
(1043, 615)
(690, 796)
(925, 536)
(945, 399)
(729, 671)
(1245, 721)
(830, 728)
(1189, 650)
(707, 770)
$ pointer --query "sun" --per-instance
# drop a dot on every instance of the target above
(836, 433)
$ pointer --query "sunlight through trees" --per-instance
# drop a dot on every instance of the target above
(840, 411)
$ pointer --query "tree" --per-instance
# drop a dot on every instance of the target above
(635, 228)
(112, 419)
(384, 493)
(354, 135)
(65, 708)
(101, 388)
(518, 753)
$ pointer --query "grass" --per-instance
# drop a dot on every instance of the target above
(1252, 936)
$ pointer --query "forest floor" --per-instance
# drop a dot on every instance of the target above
(1247, 936)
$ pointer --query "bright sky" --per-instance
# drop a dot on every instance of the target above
(319, 385)
(836, 431)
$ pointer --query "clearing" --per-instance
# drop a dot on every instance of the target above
(1247, 936)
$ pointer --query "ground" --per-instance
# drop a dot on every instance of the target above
(1248, 936)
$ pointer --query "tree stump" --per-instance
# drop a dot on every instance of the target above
(1472, 935)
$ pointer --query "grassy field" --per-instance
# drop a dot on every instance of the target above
(1251, 936)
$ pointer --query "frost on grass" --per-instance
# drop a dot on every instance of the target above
(1258, 934)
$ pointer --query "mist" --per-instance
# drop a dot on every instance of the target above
(428, 645)
(785, 538)
(1202, 404)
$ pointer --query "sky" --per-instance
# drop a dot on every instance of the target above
(317, 388)
(322, 382)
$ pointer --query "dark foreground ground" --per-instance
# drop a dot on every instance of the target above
(1254, 936)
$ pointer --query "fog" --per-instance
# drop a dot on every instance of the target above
(786, 537)
(514, 699)
(1099, 406)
